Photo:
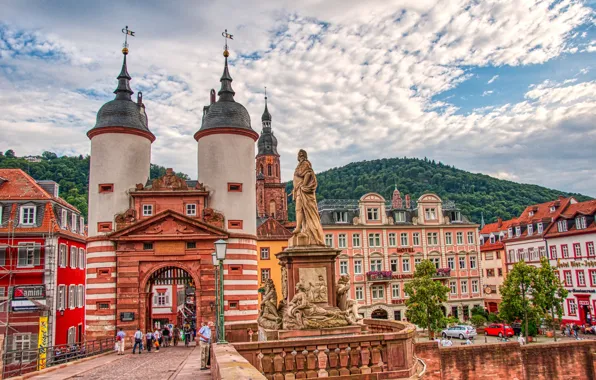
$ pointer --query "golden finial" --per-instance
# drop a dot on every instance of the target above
(226, 53)
(127, 32)
(227, 37)
(124, 51)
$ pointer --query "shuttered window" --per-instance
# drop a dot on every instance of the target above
(73, 257)
(29, 254)
(72, 294)
(61, 301)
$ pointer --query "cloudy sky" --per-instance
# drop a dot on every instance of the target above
(505, 88)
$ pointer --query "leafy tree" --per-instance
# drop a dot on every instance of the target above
(520, 295)
(426, 297)
(552, 294)
(479, 310)
(493, 318)
(9, 154)
(478, 320)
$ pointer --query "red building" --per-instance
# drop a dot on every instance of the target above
(42, 263)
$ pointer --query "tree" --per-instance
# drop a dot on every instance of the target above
(426, 297)
(9, 154)
(478, 320)
(520, 295)
(552, 293)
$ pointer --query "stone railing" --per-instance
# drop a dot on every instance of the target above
(385, 351)
(227, 364)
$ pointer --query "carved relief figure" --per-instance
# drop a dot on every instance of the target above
(319, 290)
(269, 317)
(284, 281)
(343, 287)
(301, 313)
(127, 216)
(170, 181)
(304, 193)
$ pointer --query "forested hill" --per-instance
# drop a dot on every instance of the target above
(71, 173)
(473, 193)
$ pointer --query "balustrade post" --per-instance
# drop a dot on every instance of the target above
(355, 359)
(278, 364)
(311, 363)
(344, 359)
(290, 362)
(334, 361)
(377, 362)
(322, 361)
(301, 364)
(365, 357)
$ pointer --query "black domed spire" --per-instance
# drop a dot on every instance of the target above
(226, 93)
(267, 143)
(266, 115)
(123, 90)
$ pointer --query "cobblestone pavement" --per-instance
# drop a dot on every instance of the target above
(147, 366)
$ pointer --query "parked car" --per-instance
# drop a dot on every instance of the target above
(499, 329)
(459, 331)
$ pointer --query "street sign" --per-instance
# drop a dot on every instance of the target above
(29, 292)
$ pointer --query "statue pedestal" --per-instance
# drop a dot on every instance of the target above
(269, 335)
(314, 267)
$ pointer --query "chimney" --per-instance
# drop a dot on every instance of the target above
(561, 197)
(50, 187)
(408, 201)
(499, 222)
(212, 97)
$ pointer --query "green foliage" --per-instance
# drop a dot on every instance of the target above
(552, 294)
(426, 297)
(450, 321)
(478, 320)
(479, 310)
(532, 328)
(71, 173)
(493, 318)
(473, 193)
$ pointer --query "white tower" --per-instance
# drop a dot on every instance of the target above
(226, 162)
(120, 155)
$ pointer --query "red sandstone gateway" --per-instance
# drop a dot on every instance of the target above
(498, 329)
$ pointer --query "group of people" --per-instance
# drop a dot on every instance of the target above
(155, 339)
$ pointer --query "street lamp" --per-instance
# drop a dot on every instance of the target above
(220, 254)
(216, 303)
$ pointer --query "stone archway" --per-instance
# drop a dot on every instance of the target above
(379, 314)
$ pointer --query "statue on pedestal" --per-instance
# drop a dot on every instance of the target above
(302, 314)
(308, 222)
(269, 317)
(344, 303)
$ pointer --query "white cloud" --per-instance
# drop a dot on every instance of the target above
(488, 92)
(491, 80)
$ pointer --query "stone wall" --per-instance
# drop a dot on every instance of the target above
(227, 364)
(572, 360)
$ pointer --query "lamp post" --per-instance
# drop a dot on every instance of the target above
(221, 247)
(215, 309)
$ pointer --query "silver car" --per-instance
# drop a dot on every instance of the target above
(459, 331)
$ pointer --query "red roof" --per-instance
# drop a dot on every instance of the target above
(540, 213)
(271, 229)
(495, 227)
(571, 212)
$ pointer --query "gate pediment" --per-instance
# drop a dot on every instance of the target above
(169, 225)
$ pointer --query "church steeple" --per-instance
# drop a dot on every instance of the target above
(123, 91)
(226, 93)
(266, 118)
(267, 141)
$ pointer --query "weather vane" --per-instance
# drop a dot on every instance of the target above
(265, 92)
(127, 32)
(227, 36)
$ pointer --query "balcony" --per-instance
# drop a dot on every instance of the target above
(379, 275)
(443, 272)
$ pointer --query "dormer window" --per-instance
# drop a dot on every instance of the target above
(400, 216)
(430, 214)
(456, 216)
(510, 232)
(517, 231)
(531, 213)
(147, 210)
(82, 225)
(580, 222)
(341, 217)
(562, 225)
(191, 209)
(64, 220)
(373, 214)
(492, 239)
(530, 229)
(73, 221)
(540, 227)
(27, 215)
(552, 208)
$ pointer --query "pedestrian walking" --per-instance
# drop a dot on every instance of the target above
(187, 334)
(138, 341)
(157, 336)
(120, 338)
(166, 336)
(176, 333)
(204, 341)
(149, 340)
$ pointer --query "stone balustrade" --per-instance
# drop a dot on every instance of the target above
(385, 351)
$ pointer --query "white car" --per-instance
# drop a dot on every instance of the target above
(459, 331)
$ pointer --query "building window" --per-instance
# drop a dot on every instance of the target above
(378, 292)
(148, 246)
(472, 262)
(374, 240)
(3, 299)
(417, 260)
(234, 187)
(392, 240)
(73, 257)
(540, 227)
(593, 277)
(191, 209)
(62, 256)
(394, 265)
(82, 225)
(341, 217)
(470, 237)
(400, 216)
(373, 214)
(562, 225)
(343, 267)
(147, 210)
(61, 301)
(432, 238)
(416, 238)
(462, 262)
(72, 300)
(73, 221)
(80, 296)
(233, 304)
(191, 245)
(492, 239)
(572, 307)
(577, 250)
(430, 214)
(436, 261)
(541, 251)
(265, 275)
(357, 266)
(565, 251)
(81, 258)
(580, 223)
(568, 278)
(490, 273)
(451, 263)
(517, 231)
(28, 215)
(23, 343)
(590, 249)
(510, 232)
(474, 286)
(104, 227)
(464, 287)
(452, 287)
(376, 265)
(161, 298)
(405, 265)
(356, 240)
(581, 278)
(530, 229)
(403, 237)
(329, 240)
(106, 187)
(64, 219)
(460, 238)
(448, 238)
(28, 255)
(500, 271)
(234, 224)
(342, 241)
(395, 291)
(359, 293)
(264, 253)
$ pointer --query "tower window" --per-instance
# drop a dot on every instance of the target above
(234, 224)
(191, 244)
(147, 210)
(234, 187)
(147, 246)
(269, 170)
(104, 227)
(106, 188)
(191, 209)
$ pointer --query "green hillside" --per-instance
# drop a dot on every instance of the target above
(473, 193)
(71, 173)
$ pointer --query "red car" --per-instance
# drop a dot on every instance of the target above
(499, 329)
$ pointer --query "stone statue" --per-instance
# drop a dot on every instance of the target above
(269, 317)
(170, 181)
(302, 314)
(352, 311)
(308, 221)
(343, 288)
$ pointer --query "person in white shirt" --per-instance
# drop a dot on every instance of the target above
(521, 340)
(138, 341)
